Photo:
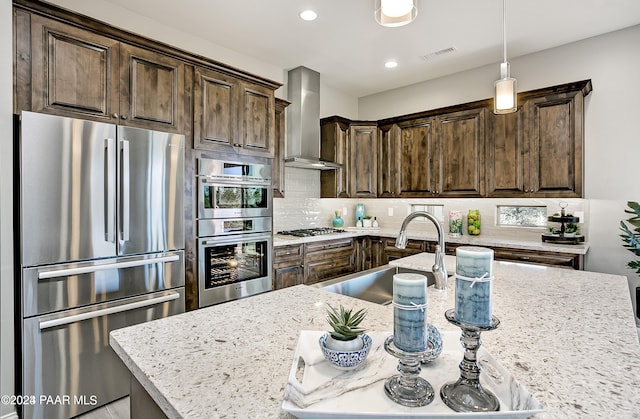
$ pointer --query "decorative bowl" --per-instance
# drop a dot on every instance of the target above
(434, 340)
(345, 360)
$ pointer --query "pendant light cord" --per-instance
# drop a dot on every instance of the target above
(504, 29)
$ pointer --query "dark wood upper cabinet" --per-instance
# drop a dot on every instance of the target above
(214, 105)
(460, 144)
(279, 148)
(387, 160)
(73, 72)
(417, 155)
(257, 116)
(334, 132)
(152, 90)
(506, 167)
(231, 115)
(363, 160)
(538, 151)
(78, 73)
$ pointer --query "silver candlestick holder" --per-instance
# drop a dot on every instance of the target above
(467, 394)
(408, 388)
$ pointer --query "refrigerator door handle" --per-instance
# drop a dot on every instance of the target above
(125, 214)
(47, 324)
(109, 188)
(95, 268)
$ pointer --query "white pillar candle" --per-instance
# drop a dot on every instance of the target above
(410, 312)
(474, 279)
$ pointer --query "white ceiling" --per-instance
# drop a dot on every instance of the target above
(349, 48)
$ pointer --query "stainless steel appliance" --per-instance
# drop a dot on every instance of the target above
(101, 247)
(234, 230)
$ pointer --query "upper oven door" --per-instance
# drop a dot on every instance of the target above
(221, 199)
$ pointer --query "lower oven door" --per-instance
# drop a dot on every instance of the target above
(232, 267)
(68, 364)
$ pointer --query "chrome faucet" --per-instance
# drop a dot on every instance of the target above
(438, 268)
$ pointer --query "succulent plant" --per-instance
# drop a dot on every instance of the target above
(345, 323)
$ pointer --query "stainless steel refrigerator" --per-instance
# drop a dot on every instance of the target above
(101, 245)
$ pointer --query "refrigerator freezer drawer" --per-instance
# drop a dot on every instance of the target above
(68, 353)
(53, 288)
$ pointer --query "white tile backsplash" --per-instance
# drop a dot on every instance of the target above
(302, 207)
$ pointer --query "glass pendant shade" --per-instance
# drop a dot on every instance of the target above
(505, 92)
(394, 13)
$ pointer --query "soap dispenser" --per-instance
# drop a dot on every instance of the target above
(374, 224)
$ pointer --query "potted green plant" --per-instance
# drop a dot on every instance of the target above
(570, 229)
(631, 234)
(346, 346)
(346, 334)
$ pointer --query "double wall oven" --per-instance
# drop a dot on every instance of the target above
(234, 229)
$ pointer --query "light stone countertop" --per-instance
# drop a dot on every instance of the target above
(482, 240)
(568, 336)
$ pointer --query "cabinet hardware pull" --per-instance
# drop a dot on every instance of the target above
(124, 116)
(115, 115)
(106, 311)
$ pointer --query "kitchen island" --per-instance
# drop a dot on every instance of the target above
(568, 336)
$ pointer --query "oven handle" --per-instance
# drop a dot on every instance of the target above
(47, 324)
(96, 268)
(222, 240)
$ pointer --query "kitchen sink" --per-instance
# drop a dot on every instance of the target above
(374, 285)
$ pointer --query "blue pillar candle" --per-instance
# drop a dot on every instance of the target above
(410, 312)
(474, 279)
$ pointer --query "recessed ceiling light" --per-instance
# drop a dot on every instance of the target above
(391, 64)
(308, 15)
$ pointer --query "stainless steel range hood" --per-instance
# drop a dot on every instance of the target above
(303, 121)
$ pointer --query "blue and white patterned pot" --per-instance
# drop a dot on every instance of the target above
(434, 341)
(345, 360)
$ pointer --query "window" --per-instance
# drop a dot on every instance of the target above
(435, 210)
(523, 216)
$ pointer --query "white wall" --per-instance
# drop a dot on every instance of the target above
(6, 202)
(612, 143)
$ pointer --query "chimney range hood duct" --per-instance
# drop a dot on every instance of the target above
(303, 121)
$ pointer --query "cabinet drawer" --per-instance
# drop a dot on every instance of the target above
(322, 270)
(539, 258)
(329, 249)
(282, 254)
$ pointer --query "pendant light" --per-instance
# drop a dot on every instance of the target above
(505, 94)
(394, 13)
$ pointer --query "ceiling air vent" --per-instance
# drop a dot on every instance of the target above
(438, 53)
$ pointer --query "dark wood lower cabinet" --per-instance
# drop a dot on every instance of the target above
(315, 262)
(329, 259)
(288, 266)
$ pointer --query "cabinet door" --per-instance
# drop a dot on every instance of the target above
(390, 252)
(387, 161)
(279, 148)
(152, 90)
(287, 266)
(418, 156)
(506, 171)
(214, 108)
(460, 139)
(288, 276)
(329, 259)
(74, 72)
(335, 147)
(363, 160)
(554, 128)
(257, 116)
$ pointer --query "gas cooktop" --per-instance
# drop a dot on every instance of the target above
(308, 232)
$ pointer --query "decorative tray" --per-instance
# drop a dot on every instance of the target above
(317, 390)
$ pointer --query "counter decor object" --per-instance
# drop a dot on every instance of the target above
(315, 389)
(569, 231)
(346, 346)
(367, 222)
(337, 221)
(473, 222)
(455, 223)
(410, 341)
(467, 393)
(359, 213)
(474, 283)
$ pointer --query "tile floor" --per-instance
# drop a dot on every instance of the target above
(114, 410)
